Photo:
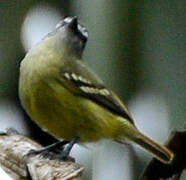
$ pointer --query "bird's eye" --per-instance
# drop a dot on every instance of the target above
(83, 31)
(67, 20)
(60, 24)
(63, 22)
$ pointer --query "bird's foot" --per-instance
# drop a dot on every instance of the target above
(56, 151)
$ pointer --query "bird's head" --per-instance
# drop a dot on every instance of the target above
(69, 35)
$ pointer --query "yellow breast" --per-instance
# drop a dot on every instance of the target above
(62, 113)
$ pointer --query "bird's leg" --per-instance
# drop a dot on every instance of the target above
(66, 151)
(52, 151)
(56, 150)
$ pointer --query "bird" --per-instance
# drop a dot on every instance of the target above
(62, 95)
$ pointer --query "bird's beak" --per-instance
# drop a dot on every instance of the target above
(73, 24)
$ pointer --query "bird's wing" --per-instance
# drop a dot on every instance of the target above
(85, 83)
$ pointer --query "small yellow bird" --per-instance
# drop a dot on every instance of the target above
(64, 97)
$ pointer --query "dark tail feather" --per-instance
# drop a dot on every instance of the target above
(158, 151)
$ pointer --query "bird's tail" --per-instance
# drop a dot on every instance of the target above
(160, 152)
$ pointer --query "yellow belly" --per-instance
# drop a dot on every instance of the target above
(66, 115)
(56, 109)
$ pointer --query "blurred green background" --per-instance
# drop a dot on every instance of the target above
(137, 47)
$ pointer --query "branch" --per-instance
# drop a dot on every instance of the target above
(13, 159)
(156, 170)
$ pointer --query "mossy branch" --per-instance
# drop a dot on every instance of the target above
(13, 159)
